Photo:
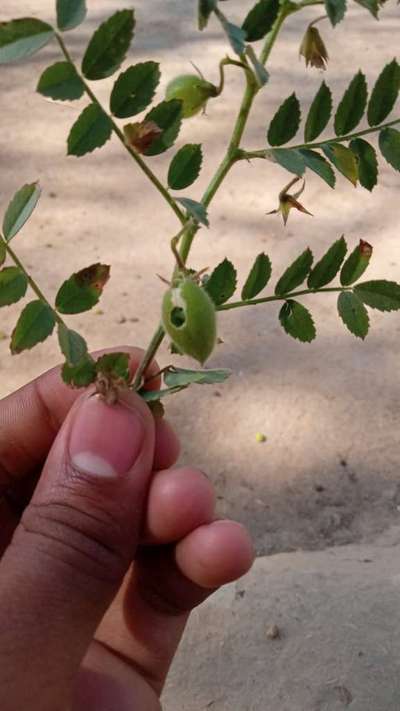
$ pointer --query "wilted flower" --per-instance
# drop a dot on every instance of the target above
(313, 48)
(286, 201)
(141, 135)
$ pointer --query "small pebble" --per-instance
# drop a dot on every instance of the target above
(273, 632)
(99, 312)
(260, 437)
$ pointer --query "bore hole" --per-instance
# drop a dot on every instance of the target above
(178, 318)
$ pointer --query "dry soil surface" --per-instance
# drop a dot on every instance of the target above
(328, 472)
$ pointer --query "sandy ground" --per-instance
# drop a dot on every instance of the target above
(305, 631)
(328, 473)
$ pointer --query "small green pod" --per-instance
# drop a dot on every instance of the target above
(192, 91)
(189, 318)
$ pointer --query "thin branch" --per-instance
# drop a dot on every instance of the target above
(136, 157)
(265, 152)
(35, 288)
(223, 169)
(285, 297)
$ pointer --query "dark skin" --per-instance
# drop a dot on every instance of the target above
(98, 577)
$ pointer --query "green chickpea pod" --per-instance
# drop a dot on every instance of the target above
(193, 91)
(189, 318)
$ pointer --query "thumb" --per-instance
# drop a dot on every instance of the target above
(74, 544)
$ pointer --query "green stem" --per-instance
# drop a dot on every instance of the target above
(136, 157)
(151, 350)
(308, 3)
(265, 152)
(271, 38)
(267, 299)
(230, 158)
(31, 281)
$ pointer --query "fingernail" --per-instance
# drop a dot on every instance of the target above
(105, 440)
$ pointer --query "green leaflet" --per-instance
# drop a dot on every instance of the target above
(285, 123)
(335, 10)
(34, 325)
(356, 263)
(295, 274)
(352, 106)
(13, 285)
(353, 314)
(185, 166)
(20, 209)
(379, 294)
(258, 277)
(389, 144)
(260, 19)
(108, 46)
(236, 35)
(70, 14)
(384, 94)
(290, 159)
(22, 38)
(205, 8)
(134, 89)
(181, 377)
(343, 159)
(326, 269)
(371, 5)
(61, 82)
(222, 283)
(367, 162)
(72, 345)
(80, 375)
(317, 163)
(319, 113)
(82, 290)
(297, 321)
(195, 209)
(91, 130)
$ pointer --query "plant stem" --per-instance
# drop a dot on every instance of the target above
(231, 155)
(136, 157)
(265, 152)
(271, 38)
(267, 299)
(31, 281)
(151, 350)
(230, 158)
(308, 3)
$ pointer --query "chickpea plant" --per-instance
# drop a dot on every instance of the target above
(192, 299)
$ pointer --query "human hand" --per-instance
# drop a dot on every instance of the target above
(85, 489)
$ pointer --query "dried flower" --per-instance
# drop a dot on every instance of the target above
(141, 135)
(286, 201)
(313, 48)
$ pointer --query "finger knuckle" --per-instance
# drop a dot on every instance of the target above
(90, 542)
